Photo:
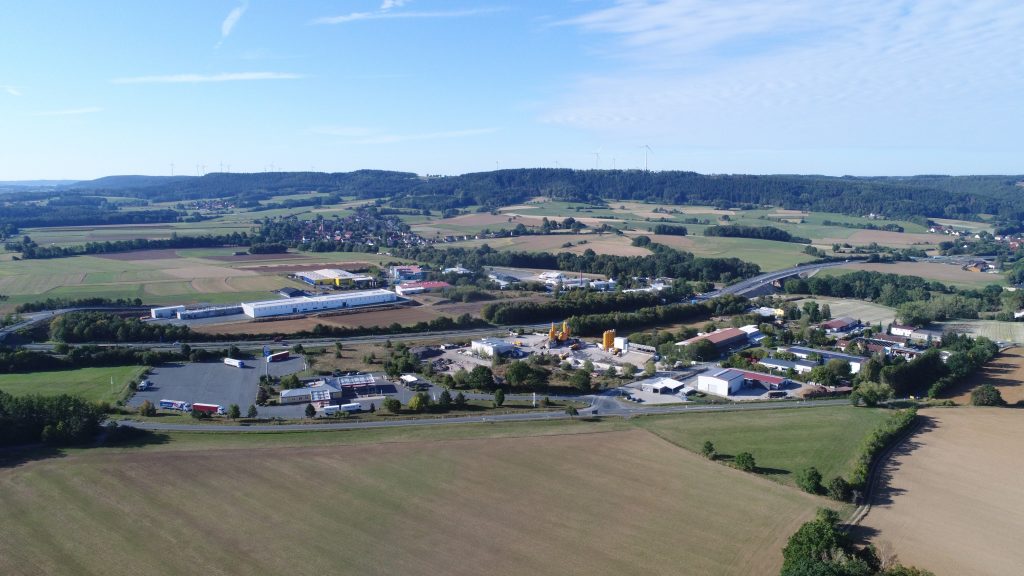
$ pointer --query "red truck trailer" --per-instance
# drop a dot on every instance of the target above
(208, 408)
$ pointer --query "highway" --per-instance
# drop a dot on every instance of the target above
(743, 287)
(605, 404)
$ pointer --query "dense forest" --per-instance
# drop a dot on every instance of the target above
(758, 232)
(903, 197)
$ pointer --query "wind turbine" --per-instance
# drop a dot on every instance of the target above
(597, 159)
(646, 149)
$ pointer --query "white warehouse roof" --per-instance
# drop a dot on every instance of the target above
(305, 304)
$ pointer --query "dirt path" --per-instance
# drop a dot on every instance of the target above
(951, 499)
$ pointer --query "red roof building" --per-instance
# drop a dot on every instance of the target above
(722, 339)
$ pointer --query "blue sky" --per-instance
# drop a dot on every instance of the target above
(451, 86)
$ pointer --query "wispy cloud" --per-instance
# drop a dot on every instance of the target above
(389, 4)
(204, 78)
(231, 20)
(795, 72)
(361, 135)
(386, 14)
(11, 90)
(70, 111)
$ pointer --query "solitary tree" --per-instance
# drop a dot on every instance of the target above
(628, 370)
(499, 398)
(419, 402)
(708, 450)
(444, 401)
(572, 412)
(234, 412)
(252, 411)
(310, 411)
(650, 368)
(392, 405)
(745, 461)
(809, 480)
(460, 400)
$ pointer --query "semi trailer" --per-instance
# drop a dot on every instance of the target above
(235, 363)
(176, 405)
(208, 408)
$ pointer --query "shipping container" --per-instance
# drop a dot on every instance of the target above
(235, 363)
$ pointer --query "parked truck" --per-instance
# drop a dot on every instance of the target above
(208, 408)
(176, 405)
(278, 356)
(335, 409)
(235, 363)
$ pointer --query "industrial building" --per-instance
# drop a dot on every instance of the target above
(491, 347)
(407, 288)
(826, 355)
(328, 390)
(798, 366)
(166, 311)
(336, 278)
(307, 304)
(407, 273)
(721, 383)
(844, 324)
(723, 339)
(209, 312)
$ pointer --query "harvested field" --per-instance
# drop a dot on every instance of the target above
(991, 329)
(951, 499)
(201, 271)
(867, 312)
(518, 505)
(1005, 372)
(141, 255)
(603, 244)
(298, 267)
(214, 284)
(253, 257)
(946, 273)
(884, 238)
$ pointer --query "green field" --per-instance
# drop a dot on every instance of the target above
(528, 498)
(93, 384)
(867, 312)
(785, 441)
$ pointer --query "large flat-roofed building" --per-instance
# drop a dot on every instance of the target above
(407, 288)
(721, 383)
(805, 353)
(491, 347)
(337, 278)
(406, 273)
(307, 304)
(723, 339)
(166, 311)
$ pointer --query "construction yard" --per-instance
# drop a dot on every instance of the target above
(951, 498)
(496, 499)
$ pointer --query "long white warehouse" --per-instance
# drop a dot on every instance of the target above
(307, 304)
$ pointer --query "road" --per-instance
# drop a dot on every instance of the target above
(744, 287)
(600, 403)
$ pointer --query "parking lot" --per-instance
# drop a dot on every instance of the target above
(211, 382)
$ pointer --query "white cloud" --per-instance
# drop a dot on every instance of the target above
(769, 73)
(11, 90)
(361, 135)
(383, 14)
(232, 18)
(203, 78)
(69, 111)
(389, 4)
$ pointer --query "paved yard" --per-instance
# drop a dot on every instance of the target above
(211, 382)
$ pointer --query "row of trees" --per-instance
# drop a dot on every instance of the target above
(58, 420)
(89, 326)
(572, 303)
(58, 303)
(663, 262)
(594, 324)
(758, 232)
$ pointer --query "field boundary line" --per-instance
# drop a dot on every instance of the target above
(861, 512)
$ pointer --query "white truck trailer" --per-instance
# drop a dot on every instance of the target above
(235, 363)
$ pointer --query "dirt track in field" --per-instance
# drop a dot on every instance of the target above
(1005, 372)
(953, 500)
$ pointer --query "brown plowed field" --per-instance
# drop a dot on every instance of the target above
(952, 499)
(593, 503)
(1005, 372)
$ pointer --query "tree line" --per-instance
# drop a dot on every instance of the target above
(58, 420)
(594, 324)
(572, 303)
(90, 326)
(758, 232)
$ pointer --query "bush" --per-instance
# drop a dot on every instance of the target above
(839, 489)
(708, 450)
(310, 411)
(745, 461)
(392, 405)
(809, 480)
(499, 398)
(252, 413)
(987, 395)
(147, 408)
(877, 441)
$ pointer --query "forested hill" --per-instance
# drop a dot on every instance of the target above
(894, 197)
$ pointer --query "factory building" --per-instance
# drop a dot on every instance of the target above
(336, 278)
(491, 347)
(166, 311)
(308, 304)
